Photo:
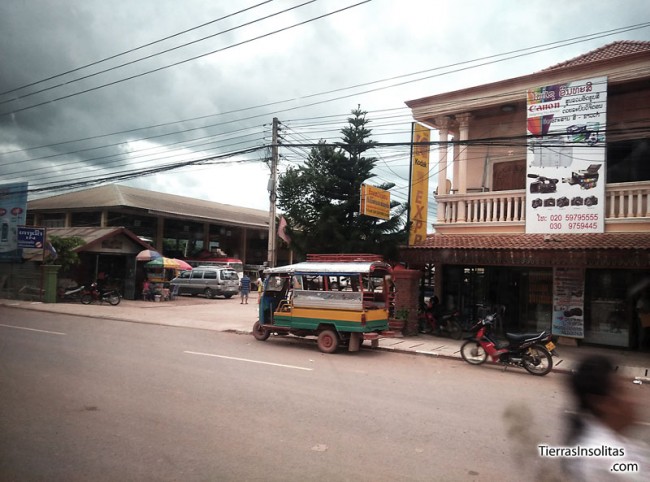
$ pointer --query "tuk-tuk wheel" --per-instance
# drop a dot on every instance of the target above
(260, 333)
(328, 341)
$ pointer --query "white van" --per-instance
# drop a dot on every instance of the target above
(207, 280)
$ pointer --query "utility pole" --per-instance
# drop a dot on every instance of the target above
(271, 258)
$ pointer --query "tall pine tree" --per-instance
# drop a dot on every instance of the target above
(321, 199)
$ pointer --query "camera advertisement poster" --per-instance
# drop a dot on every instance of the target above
(568, 302)
(565, 183)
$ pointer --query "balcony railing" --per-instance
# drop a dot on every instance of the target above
(623, 201)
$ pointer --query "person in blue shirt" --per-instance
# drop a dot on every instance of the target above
(244, 288)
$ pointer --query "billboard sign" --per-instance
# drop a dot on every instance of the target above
(565, 184)
(419, 189)
(13, 213)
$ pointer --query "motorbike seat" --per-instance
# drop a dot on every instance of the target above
(522, 337)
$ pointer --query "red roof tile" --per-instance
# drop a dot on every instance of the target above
(609, 51)
(537, 241)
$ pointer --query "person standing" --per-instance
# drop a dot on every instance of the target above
(244, 288)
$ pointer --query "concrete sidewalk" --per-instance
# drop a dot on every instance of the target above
(231, 316)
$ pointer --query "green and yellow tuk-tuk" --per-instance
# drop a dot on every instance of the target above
(340, 299)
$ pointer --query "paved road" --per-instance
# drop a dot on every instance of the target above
(93, 399)
(231, 316)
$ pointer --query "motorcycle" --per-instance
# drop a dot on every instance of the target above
(442, 325)
(95, 294)
(71, 294)
(532, 351)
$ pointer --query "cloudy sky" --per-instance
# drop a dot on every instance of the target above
(93, 90)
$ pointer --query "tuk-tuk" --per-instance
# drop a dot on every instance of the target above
(340, 299)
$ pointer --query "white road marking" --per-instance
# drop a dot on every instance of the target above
(32, 329)
(249, 361)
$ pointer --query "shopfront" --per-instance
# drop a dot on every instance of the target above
(590, 295)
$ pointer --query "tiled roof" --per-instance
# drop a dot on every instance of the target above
(117, 196)
(537, 241)
(609, 51)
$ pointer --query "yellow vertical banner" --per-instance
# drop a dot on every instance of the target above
(419, 193)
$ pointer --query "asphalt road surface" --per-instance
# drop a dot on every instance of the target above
(88, 399)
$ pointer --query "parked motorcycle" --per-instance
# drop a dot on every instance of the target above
(95, 294)
(443, 324)
(532, 351)
(70, 294)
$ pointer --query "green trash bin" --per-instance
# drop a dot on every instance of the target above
(50, 281)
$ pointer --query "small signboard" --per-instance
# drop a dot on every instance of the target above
(375, 202)
(31, 237)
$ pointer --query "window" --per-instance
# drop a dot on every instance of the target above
(197, 274)
(627, 161)
(210, 275)
(229, 275)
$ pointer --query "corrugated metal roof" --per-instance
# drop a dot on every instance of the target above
(89, 235)
(606, 52)
(92, 235)
(537, 241)
(170, 205)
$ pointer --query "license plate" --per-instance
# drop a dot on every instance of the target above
(550, 346)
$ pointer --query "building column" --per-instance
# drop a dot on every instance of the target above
(463, 123)
(442, 123)
(160, 233)
(243, 241)
(67, 222)
(206, 236)
(103, 222)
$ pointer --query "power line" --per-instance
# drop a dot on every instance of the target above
(105, 59)
(142, 74)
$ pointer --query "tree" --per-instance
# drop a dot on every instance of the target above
(66, 256)
(321, 199)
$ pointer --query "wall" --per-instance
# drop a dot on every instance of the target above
(407, 291)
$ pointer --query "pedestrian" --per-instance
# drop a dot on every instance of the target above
(147, 291)
(260, 288)
(244, 288)
(605, 410)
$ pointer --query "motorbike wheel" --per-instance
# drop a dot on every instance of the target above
(114, 299)
(86, 299)
(260, 333)
(473, 353)
(537, 361)
(455, 330)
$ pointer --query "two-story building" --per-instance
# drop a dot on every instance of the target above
(544, 196)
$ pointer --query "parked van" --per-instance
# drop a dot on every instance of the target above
(207, 280)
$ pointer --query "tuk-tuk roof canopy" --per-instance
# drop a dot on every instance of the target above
(330, 268)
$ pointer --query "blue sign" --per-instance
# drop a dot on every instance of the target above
(29, 237)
